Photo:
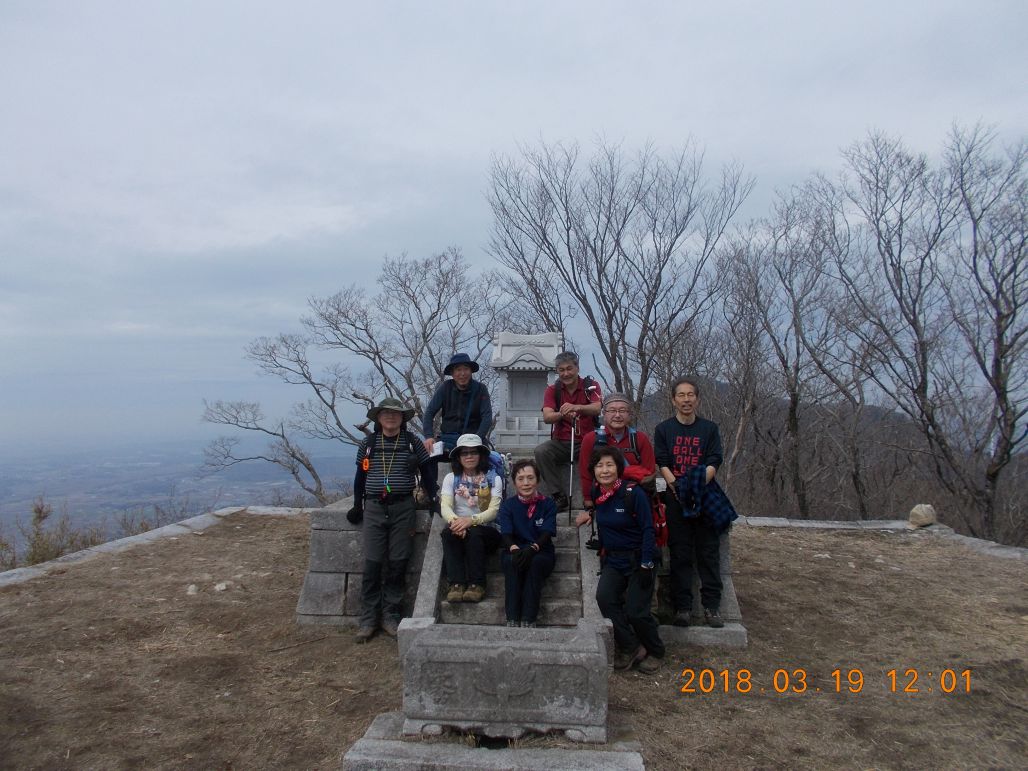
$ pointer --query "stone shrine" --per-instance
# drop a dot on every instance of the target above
(525, 366)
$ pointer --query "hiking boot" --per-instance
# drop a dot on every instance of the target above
(563, 504)
(681, 619)
(713, 618)
(650, 665)
(623, 660)
(456, 593)
(390, 626)
(474, 593)
(514, 623)
(364, 634)
(528, 625)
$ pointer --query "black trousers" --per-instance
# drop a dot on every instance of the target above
(693, 542)
(465, 557)
(625, 600)
(524, 588)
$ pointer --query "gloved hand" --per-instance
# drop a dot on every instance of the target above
(355, 515)
(522, 558)
(646, 578)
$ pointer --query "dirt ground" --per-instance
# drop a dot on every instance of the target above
(115, 664)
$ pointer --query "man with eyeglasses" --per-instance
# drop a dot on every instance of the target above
(617, 432)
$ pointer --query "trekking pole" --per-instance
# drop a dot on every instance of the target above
(571, 476)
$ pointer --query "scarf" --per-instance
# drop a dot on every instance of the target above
(604, 497)
(531, 503)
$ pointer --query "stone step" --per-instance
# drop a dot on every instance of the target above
(558, 586)
(552, 612)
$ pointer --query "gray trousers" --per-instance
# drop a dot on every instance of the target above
(554, 459)
(388, 543)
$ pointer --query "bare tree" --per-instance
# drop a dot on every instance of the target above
(987, 289)
(624, 242)
(398, 341)
(282, 450)
(937, 280)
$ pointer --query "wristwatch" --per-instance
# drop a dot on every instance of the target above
(646, 565)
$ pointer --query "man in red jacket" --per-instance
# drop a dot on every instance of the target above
(617, 432)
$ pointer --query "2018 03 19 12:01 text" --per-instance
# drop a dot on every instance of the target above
(797, 680)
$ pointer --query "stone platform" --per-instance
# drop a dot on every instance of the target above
(332, 586)
(504, 682)
(383, 747)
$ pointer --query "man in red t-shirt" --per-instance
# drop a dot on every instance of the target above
(570, 404)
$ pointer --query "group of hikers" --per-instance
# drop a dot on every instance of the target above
(617, 468)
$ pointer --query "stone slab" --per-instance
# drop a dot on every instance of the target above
(332, 519)
(322, 594)
(202, 522)
(731, 635)
(426, 604)
(461, 676)
(552, 612)
(558, 586)
(382, 748)
(336, 551)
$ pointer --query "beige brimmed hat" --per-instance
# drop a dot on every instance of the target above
(467, 441)
(389, 403)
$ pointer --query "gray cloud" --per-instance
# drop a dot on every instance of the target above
(177, 178)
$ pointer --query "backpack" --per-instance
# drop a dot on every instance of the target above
(498, 468)
(412, 461)
(601, 440)
(657, 509)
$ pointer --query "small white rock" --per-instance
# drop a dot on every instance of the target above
(221, 586)
(824, 556)
(192, 589)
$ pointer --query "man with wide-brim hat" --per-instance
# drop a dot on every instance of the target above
(464, 405)
(389, 403)
(383, 494)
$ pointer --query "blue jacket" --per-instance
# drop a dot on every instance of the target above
(514, 522)
(620, 531)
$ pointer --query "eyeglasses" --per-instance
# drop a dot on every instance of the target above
(622, 411)
(468, 453)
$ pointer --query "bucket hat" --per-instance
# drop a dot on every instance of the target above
(458, 359)
(389, 403)
(467, 441)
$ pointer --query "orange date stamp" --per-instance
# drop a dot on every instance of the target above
(911, 681)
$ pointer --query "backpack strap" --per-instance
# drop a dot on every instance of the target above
(471, 404)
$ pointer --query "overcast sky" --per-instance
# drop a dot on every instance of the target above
(177, 178)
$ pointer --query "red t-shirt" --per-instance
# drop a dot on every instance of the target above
(586, 423)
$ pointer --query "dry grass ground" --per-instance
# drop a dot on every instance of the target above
(114, 664)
